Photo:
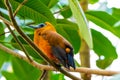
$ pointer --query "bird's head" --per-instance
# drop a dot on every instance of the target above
(44, 27)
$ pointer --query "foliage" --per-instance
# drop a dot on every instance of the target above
(81, 21)
(20, 69)
(37, 11)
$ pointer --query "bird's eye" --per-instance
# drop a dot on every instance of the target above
(41, 25)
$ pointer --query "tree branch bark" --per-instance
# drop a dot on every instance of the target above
(19, 42)
(46, 67)
(85, 59)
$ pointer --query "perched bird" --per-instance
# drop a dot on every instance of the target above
(55, 47)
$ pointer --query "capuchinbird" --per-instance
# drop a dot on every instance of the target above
(54, 46)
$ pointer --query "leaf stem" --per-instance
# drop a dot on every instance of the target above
(19, 7)
(19, 42)
(63, 9)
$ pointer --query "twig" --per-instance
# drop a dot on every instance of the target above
(28, 40)
(46, 67)
(6, 21)
(63, 9)
(18, 8)
(43, 74)
(95, 71)
(19, 42)
(33, 63)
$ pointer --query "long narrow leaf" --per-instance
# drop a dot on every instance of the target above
(81, 21)
(104, 20)
(35, 10)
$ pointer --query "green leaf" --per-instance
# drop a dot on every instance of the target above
(104, 63)
(66, 13)
(3, 13)
(104, 49)
(9, 75)
(7, 41)
(104, 20)
(81, 21)
(4, 56)
(116, 13)
(27, 47)
(27, 30)
(2, 31)
(58, 76)
(2, 4)
(69, 30)
(23, 70)
(50, 3)
(93, 1)
(77, 63)
(35, 10)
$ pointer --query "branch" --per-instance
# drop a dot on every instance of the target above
(18, 8)
(29, 41)
(19, 42)
(33, 63)
(63, 9)
(6, 21)
(46, 67)
(85, 58)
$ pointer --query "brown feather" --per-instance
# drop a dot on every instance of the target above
(54, 45)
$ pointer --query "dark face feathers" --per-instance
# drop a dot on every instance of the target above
(39, 26)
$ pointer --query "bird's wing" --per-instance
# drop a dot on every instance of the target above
(59, 45)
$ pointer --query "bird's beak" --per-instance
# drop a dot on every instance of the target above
(33, 27)
(38, 26)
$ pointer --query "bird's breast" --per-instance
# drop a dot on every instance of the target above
(44, 45)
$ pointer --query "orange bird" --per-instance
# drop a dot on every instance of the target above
(55, 47)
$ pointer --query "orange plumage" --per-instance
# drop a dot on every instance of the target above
(55, 47)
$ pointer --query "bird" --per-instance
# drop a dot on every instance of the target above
(55, 46)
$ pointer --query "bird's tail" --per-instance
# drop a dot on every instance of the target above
(71, 60)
